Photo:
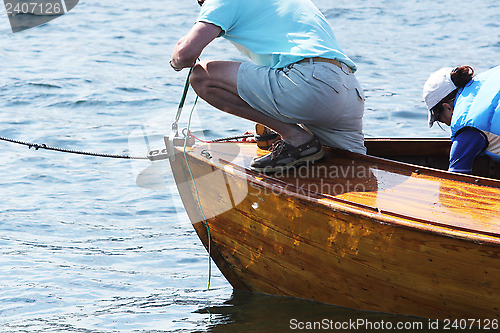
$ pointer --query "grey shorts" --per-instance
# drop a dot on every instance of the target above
(322, 97)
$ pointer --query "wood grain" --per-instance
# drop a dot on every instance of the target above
(355, 231)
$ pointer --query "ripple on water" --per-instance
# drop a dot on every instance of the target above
(82, 247)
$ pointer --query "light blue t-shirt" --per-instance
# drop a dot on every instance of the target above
(275, 33)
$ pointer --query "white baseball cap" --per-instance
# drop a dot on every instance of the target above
(437, 87)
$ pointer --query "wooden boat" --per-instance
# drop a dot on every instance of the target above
(387, 232)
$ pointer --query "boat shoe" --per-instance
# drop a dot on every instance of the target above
(283, 156)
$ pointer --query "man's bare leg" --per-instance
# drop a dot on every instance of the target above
(216, 83)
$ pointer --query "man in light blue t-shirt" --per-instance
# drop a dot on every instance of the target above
(302, 84)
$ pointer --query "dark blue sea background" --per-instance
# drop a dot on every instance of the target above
(83, 248)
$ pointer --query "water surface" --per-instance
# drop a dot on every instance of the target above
(82, 247)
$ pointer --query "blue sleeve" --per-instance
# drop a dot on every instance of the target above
(466, 145)
(222, 13)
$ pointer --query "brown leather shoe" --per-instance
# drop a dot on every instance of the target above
(283, 156)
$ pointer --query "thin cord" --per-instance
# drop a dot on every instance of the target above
(198, 197)
(229, 138)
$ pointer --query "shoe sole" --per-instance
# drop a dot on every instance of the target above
(310, 158)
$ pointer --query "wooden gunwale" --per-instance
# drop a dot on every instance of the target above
(384, 216)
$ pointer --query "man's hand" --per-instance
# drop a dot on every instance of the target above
(189, 47)
(177, 69)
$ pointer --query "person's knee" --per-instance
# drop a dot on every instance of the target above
(198, 79)
(209, 76)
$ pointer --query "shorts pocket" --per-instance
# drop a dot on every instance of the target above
(328, 77)
(361, 94)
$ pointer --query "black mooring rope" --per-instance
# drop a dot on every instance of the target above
(37, 146)
(71, 151)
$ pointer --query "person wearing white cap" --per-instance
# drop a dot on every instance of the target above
(470, 105)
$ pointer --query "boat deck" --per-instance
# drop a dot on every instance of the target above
(395, 193)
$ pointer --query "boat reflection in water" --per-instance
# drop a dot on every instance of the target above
(251, 312)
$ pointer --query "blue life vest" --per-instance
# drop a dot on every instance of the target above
(478, 105)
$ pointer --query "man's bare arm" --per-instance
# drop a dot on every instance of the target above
(189, 47)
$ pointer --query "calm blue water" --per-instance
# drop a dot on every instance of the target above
(82, 247)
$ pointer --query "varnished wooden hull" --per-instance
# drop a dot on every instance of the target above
(385, 237)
